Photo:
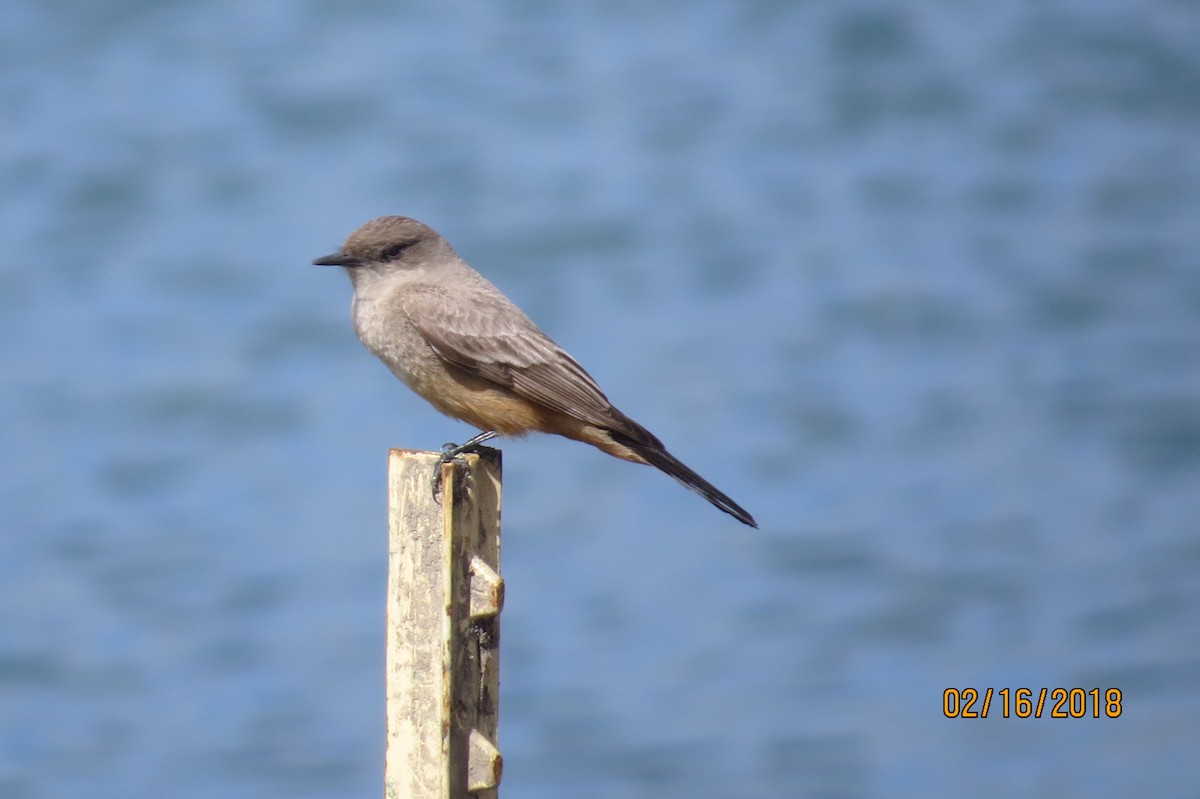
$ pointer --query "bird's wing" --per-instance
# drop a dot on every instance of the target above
(494, 340)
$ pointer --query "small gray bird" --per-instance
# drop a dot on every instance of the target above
(454, 339)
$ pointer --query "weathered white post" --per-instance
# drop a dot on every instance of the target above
(443, 628)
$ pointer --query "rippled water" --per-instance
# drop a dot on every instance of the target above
(916, 284)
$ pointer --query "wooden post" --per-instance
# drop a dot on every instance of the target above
(443, 629)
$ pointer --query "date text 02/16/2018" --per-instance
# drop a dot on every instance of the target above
(1055, 703)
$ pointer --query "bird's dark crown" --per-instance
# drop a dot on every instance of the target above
(383, 240)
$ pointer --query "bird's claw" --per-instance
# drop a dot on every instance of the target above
(449, 456)
(451, 453)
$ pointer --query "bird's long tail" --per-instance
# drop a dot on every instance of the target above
(665, 461)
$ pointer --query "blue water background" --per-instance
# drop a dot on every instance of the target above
(916, 283)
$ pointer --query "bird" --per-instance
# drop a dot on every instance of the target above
(457, 341)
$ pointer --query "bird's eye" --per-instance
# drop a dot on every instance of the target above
(393, 252)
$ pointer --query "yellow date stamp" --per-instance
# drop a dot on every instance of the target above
(1024, 703)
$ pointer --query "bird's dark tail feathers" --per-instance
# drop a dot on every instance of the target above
(661, 459)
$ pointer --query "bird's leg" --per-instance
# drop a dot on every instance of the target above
(451, 451)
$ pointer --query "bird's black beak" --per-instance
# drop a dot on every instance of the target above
(338, 258)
